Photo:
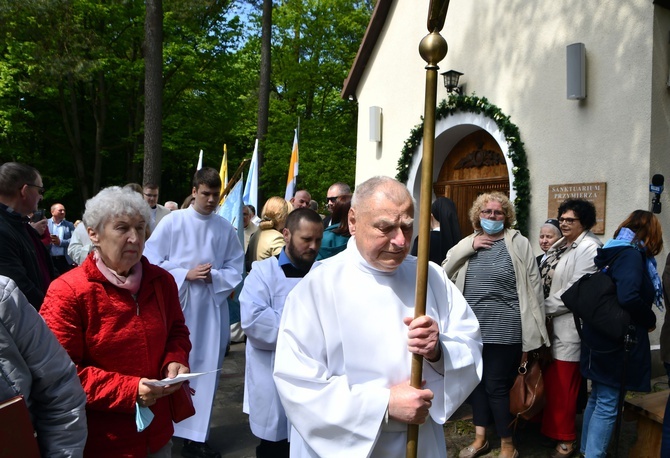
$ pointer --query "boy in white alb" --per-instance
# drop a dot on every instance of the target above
(203, 253)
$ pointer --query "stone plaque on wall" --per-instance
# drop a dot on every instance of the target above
(593, 192)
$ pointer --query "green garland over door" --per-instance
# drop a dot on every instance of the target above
(516, 153)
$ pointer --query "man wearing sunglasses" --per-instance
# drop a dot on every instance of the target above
(23, 257)
(338, 192)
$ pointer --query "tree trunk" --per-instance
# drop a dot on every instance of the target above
(71, 125)
(264, 86)
(100, 116)
(153, 98)
(135, 116)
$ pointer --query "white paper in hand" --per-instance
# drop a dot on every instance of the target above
(178, 379)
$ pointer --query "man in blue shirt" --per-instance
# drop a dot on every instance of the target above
(61, 232)
(261, 305)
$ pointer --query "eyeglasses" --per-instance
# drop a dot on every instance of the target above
(496, 213)
(40, 189)
(568, 221)
(151, 195)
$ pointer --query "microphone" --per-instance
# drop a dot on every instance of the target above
(656, 187)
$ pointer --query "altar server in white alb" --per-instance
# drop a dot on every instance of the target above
(262, 303)
(203, 253)
(347, 334)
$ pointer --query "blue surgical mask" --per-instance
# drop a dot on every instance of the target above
(491, 226)
(143, 417)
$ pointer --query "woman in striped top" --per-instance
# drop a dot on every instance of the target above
(496, 270)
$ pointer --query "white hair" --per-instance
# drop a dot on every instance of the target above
(113, 202)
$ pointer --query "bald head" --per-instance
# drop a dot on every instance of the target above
(301, 199)
(386, 187)
(381, 219)
(58, 212)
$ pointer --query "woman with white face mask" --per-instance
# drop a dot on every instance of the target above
(497, 272)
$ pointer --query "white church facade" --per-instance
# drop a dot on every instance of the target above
(514, 128)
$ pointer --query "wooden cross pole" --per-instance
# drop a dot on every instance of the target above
(233, 180)
(433, 48)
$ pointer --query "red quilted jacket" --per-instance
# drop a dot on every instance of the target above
(114, 341)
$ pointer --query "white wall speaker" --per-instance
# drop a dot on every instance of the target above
(576, 71)
(376, 124)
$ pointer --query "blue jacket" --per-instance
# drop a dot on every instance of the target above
(635, 292)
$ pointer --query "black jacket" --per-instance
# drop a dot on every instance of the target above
(18, 256)
(635, 292)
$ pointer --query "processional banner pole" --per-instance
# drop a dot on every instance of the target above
(433, 48)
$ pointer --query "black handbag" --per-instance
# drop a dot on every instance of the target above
(593, 299)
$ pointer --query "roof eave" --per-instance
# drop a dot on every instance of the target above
(375, 26)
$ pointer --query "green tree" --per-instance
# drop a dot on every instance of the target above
(315, 43)
(74, 64)
(72, 88)
(72, 91)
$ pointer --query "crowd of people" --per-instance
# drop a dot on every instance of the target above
(137, 294)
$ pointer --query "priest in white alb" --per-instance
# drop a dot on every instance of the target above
(203, 253)
(343, 355)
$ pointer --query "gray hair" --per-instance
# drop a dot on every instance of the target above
(392, 189)
(112, 202)
(13, 175)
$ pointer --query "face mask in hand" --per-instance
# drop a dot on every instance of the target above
(491, 227)
(143, 417)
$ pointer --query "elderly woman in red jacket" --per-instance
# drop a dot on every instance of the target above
(119, 318)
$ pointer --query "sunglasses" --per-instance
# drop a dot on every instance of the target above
(334, 199)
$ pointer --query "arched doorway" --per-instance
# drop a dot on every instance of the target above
(473, 166)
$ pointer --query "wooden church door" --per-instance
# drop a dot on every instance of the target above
(475, 165)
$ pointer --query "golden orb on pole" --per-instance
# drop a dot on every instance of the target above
(433, 48)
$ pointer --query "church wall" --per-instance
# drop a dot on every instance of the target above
(514, 55)
(513, 52)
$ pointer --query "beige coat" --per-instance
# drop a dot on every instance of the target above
(528, 283)
(266, 243)
(574, 263)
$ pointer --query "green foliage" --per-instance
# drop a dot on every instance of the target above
(72, 91)
(516, 150)
(314, 43)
